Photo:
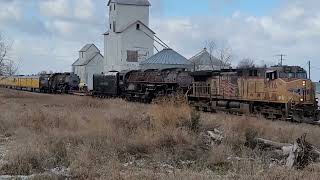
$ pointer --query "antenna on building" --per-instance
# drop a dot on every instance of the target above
(281, 58)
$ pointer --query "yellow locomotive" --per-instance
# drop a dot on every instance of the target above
(279, 92)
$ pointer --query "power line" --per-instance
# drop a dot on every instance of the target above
(309, 66)
(281, 58)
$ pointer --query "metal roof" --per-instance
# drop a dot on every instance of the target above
(86, 61)
(168, 57)
(86, 47)
(131, 2)
(77, 62)
(203, 58)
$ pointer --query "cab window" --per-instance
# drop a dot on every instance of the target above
(302, 75)
(291, 75)
(272, 75)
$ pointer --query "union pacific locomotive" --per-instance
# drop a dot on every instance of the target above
(279, 92)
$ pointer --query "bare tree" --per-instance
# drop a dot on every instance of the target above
(211, 46)
(7, 65)
(246, 63)
(225, 56)
(3, 55)
(42, 72)
(11, 68)
(219, 56)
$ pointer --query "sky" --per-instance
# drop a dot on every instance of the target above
(47, 34)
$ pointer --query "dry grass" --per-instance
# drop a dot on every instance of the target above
(114, 139)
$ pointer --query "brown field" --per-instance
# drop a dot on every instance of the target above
(90, 138)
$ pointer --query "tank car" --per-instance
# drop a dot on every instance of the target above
(279, 92)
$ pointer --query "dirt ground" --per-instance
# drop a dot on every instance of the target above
(46, 136)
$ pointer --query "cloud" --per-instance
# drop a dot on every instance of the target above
(292, 30)
(84, 9)
(10, 11)
(56, 29)
(49, 33)
(55, 8)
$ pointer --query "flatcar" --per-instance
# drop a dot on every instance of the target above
(279, 92)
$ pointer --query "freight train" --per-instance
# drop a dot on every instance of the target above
(46, 83)
(279, 92)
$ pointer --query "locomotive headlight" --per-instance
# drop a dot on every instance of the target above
(301, 100)
(304, 83)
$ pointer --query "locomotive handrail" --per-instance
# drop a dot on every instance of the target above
(3, 78)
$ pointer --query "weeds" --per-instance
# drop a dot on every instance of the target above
(97, 138)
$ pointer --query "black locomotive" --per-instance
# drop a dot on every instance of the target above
(141, 85)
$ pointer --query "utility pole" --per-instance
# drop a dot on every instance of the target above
(309, 65)
(281, 58)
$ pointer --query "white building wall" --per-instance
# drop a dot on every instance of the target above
(136, 40)
(86, 72)
(94, 67)
(80, 72)
(124, 15)
(105, 36)
(84, 55)
(112, 51)
(117, 44)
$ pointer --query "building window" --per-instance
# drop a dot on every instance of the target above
(110, 27)
(114, 7)
(132, 56)
(114, 26)
(138, 26)
(110, 8)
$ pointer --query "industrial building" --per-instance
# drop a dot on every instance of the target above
(129, 39)
(90, 62)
